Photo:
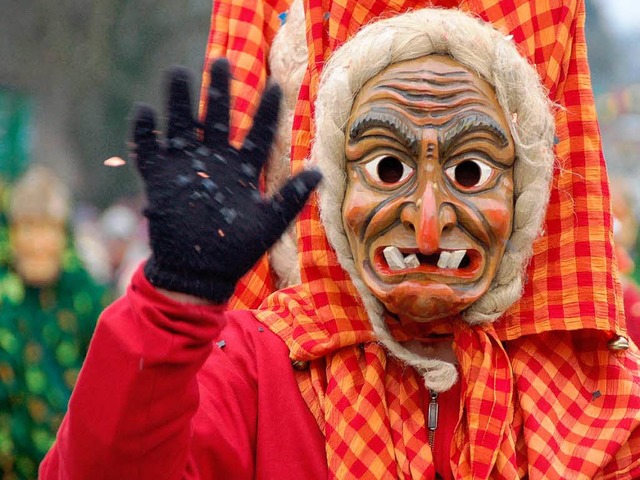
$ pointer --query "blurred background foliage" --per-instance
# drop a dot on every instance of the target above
(75, 68)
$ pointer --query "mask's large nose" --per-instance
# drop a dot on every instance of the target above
(430, 216)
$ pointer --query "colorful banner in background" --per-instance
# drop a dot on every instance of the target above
(15, 133)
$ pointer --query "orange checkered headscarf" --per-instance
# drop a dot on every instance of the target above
(542, 395)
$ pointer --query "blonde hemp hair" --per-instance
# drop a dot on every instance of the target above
(288, 64)
(493, 57)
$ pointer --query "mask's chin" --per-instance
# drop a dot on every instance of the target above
(423, 303)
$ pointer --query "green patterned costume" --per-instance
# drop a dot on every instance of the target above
(44, 335)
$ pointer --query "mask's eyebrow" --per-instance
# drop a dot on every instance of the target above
(387, 121)
(475, 122)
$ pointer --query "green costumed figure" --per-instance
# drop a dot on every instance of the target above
(49, 306)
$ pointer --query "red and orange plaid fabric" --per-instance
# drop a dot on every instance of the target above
(543, 396)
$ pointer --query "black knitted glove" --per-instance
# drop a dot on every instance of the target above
(208, 223)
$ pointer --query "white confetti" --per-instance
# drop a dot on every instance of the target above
(114, 162)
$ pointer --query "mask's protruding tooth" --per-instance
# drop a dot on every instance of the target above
(455, 258)
(411, 261)
(394, 258)
(443, 261)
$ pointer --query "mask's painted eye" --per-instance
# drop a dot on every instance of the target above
(471, 174)
(387, 170)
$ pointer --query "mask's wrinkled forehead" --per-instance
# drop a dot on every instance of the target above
(428, 88)
(435, 91)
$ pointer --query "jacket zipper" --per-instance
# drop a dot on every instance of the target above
(432, 418)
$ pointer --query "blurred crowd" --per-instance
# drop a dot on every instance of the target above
(113, 242)
(60, 266)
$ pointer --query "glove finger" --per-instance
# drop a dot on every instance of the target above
(287, 204)
(216, 123)
(181, 121)
(258, 142)
(146, 147)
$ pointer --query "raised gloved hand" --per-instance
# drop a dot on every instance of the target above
(208, 223)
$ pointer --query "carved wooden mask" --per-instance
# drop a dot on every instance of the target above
(429, 202)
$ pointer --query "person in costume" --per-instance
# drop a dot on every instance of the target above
(398, 355)
(48, 308)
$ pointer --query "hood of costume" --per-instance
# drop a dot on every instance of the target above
(533, 355)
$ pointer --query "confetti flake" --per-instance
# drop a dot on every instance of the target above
(229, 215)
(114, 162)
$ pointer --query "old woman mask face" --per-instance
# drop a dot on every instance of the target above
(428, 208)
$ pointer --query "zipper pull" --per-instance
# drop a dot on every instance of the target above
(432, 417)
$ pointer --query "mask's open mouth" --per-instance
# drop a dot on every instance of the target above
(392, 260)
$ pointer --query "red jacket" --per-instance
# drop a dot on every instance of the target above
(178, 391)
(159, 399)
